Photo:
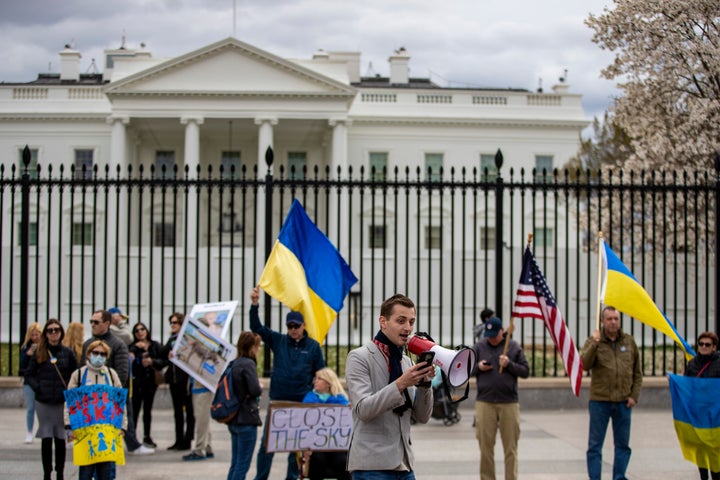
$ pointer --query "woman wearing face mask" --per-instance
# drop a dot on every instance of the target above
(95, 373)
(48, 374)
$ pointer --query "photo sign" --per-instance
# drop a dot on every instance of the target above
(294, 426)
(201, 349)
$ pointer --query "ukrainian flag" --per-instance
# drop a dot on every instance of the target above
(696, 414)
(307, 273)
(623, 291)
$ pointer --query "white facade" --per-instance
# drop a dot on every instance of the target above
(234, 97)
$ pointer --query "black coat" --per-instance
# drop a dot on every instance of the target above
(145, 375)
(44, 379)
(247, 388)
(698, 362)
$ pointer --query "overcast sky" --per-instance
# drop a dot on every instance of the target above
(479, 43)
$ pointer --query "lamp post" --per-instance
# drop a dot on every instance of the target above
(269, 157)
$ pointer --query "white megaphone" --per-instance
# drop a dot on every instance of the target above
(457, 364)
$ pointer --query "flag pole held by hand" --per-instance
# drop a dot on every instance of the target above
(511, 327)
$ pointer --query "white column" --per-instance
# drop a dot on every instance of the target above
(192, 160)
(339, 159)
(265, 140)
(116, 215)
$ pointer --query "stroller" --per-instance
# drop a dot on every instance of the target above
(443, 407)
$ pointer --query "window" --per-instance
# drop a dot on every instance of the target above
(297, 161)
(82, 234)
(230, 161)
(487, 238)
(377, 236)
(543, 237)
(433, 166)
(488, 170)
(433, 237)
(378, 162)
(32, 234)
(163, 234)
(543, 168)
(32, 166)
(166, 159)
(83, 163)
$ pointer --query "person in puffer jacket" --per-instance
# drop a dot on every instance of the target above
(48, 374)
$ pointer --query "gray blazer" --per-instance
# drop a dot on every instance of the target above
(381, 439)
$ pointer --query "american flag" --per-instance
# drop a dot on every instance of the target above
(534, 300)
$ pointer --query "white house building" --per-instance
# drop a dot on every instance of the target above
(225, 104)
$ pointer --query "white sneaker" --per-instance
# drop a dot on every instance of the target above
(142, 450)
(28, 437)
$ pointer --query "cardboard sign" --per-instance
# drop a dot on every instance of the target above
(293, 426)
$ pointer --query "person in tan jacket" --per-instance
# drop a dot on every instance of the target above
(613, 359)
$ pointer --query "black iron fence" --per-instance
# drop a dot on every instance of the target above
(155, 242)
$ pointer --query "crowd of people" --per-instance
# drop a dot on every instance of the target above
(386, 392)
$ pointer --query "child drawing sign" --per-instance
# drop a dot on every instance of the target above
(96, 413)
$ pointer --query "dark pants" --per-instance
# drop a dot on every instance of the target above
(143, 398)
(183, 413)
(328, 465)
(706, 474)
(102, 471)
(46, 453)
(600, 415)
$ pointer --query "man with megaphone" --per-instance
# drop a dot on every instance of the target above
(500, 362)
(386, 391)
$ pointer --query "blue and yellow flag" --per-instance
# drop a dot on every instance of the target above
(307, 273)
(623, 291)
(696, 414)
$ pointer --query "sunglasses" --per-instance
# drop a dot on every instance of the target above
(140, 329)
(95, 322)
(102, 353)
(700, 344)
(53, 330)
(293, 326)
(174, 322)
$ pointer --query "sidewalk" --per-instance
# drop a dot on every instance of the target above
(552, 447)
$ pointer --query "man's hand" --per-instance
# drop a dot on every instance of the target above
(484, 366)
(255, 295)
(630, 402)
(596, 336)
(503, 360)
(414, 375)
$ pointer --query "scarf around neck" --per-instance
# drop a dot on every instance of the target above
(393, 354)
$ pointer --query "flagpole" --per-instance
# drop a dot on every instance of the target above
(511, 327)
(599, 287)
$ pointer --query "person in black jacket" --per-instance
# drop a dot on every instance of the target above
(144, 352)
(48, 374)
(246, 385)
(27, 350)
(177, 380)
(705, 364)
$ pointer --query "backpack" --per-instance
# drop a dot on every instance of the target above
(225, 404)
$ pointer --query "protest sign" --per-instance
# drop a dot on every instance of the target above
(293, 426)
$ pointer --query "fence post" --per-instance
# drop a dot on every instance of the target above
(499, 191)
(269, 156)
(24, 241)
(717, 241)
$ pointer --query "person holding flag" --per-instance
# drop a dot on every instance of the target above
(297, 358)
(613, 358)
(496, 404)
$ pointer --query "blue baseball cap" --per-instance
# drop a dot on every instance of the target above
(295, 318)
(114, 310)
(492, 327)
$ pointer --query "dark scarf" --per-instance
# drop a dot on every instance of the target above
(394, 355)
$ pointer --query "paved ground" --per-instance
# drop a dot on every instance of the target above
(552, 447)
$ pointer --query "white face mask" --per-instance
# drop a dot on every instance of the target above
(97, 361)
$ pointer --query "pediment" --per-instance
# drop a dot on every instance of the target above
(229, 67)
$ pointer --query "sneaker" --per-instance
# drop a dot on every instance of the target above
(142, 450)
(147, 441)
(28, 437)
(193, 457)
